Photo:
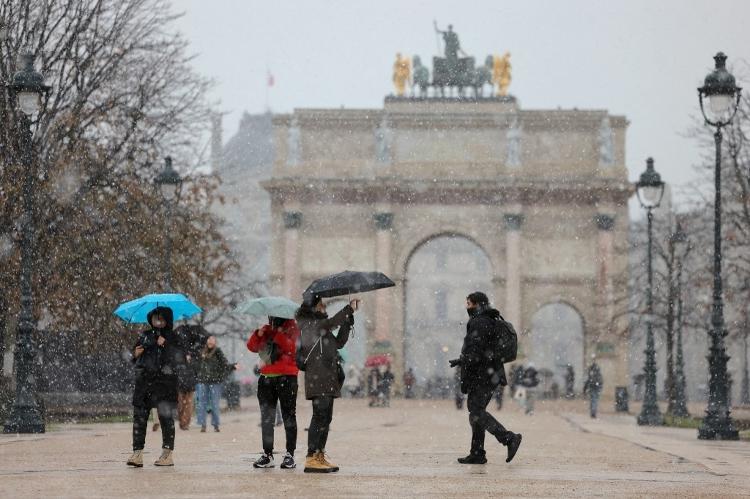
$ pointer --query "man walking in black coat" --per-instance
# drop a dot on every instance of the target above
(481, 373)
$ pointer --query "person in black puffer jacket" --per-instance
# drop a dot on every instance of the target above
(480, 378)
(157, 355)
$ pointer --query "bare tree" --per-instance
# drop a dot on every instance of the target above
(124, 96)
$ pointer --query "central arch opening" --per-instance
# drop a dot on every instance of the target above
(557, 334)
(439, 275)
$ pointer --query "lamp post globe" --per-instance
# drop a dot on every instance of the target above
(26, 90)
(28, 85)
(169, 182)
(723, 95)
(650, 190)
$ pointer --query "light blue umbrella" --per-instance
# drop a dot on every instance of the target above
(274, 306)
(135, 311)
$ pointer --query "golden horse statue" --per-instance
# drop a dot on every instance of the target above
(501, 76)
(401, 74)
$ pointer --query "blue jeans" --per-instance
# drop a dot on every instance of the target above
(209, 396)
(594, 402)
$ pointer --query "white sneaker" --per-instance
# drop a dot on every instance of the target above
(288, 462)
(264, 461)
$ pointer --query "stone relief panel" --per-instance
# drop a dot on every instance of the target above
(569, 258)
(328, 255)
(293, 144)
(513, 139)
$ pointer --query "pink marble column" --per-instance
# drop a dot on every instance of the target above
(513, 222)
(292, 224)
(383, 223)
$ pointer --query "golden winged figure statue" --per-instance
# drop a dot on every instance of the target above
(501, 73)
(401, 74)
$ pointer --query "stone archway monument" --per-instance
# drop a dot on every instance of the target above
(542, 192)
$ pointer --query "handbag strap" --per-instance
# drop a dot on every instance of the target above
(313, 348)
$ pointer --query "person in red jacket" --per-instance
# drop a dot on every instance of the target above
(276, 343)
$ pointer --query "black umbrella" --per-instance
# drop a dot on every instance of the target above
(346, 283)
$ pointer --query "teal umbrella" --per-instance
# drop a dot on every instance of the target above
(274, 306)
(136, 311)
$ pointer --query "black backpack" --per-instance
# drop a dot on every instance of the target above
(507, 341)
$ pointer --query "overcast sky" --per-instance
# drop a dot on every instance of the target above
(640, 58)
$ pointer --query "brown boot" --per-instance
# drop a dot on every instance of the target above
(165, 459)
(322, 458)
(136, 460)
(313, 464)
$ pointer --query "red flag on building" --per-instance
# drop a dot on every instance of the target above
(271, 81)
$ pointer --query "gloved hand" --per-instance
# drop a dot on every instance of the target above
(454, 362)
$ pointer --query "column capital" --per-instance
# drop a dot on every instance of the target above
(513, 221)
(292, 219)
(604, 222)
(383, 220)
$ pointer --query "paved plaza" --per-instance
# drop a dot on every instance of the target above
(409, 449)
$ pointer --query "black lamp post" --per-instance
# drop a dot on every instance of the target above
(169, 182)
(26, 89)
(723, 98)
(650, 189)
(678, 399)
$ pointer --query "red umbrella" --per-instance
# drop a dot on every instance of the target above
(378, 360)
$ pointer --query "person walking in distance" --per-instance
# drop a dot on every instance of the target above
(593, 386)
(409, 383)
(276, 342)
(317, 355)
(481, 372)
(212, 372)
(530, 381)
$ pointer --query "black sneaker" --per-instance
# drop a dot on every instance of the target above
(513, 446)
(288, 462)
(264, 461)
(473, 459)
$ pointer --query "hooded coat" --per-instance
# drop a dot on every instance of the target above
(320, 347)
(479, 367)
(157, 367)
(285, 338)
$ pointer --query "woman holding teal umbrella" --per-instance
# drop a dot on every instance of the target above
(157, 355)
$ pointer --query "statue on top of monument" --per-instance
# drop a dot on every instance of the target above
(421, 75)
(401, 74)
(452, 45)
(501, 73)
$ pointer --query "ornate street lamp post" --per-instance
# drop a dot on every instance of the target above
(169, 182)
(26, 90)
(678, 401)
(723, 100)
(650, 190)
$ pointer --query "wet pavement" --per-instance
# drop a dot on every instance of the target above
(409, 449)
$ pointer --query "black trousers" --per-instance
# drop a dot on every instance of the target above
(165, 410)
(319, 424)
(482, 421)
(281, 390)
